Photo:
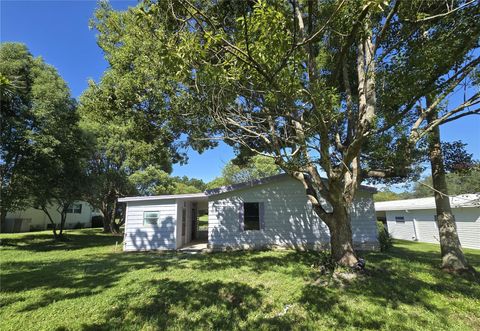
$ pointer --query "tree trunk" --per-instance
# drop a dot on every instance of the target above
(338, 220)
(453, 258)
(54, 226)
(63, 219)
(3, 217)
(341, 243)
(106, 218)
(114, 227)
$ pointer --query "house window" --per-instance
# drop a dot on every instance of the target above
(399, 219)
(251, 218)
(150, 217)
(75, 208)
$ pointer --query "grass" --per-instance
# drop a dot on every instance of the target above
(203, 222)
(88, 284)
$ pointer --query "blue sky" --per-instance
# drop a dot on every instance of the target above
(58, 31)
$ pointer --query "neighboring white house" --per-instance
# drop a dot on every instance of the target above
(272, 211)
(31, 219)
(415, 219)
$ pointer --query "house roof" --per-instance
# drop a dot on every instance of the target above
(265, 180)
(459, 201)
(220, 190)
(164, 197)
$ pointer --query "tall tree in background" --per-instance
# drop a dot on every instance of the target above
(125, 139)
(450, 247)
(42, 145)
(460, 57)
(16, 64)
(311, 84)
(462, 173)
(58, 174)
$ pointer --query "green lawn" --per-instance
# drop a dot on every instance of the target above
(203, 222)
(86, 284)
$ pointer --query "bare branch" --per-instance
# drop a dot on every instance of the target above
(451, 11)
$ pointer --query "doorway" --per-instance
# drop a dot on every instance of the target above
(194, 221)
(184, 225)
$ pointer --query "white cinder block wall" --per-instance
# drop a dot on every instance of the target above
(288, 217)
(140, 237)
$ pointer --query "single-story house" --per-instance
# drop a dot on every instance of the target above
(79, 215)
(415, 219)
(267, 212)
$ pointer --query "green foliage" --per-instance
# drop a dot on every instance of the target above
(457, 183)
(387, 195)
(98, 287)
(384, 239)
(255, 167)
(152, 181)
(212, 69)
(16, 64)
(456, 158)
(182, 188)
(217, 182)
(42, 145)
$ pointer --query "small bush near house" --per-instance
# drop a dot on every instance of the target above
(384, 238)
(97, 221)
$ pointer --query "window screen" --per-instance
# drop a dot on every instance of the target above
(399, 219)
(251, 216)
(150, 217)
(75, 208)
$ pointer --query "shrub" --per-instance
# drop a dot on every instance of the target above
(384, 238)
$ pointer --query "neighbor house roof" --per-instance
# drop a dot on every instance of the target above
(459, 201)
(265, 180)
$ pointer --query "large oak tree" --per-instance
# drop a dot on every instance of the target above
(325, 88)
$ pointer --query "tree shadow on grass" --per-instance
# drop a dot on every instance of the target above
(401, 276)
(394, 278)
(184, 305)
(73, 278)
(44, 242)
(294, 263)
(423, 252)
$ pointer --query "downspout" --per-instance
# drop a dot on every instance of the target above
(415, 229)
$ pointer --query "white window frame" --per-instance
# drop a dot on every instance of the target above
(157, 218)
(74, 208)
(261, 216)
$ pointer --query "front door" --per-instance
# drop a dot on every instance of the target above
(184, 225)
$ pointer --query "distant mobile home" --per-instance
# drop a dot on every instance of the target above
(415, 219)
(268, 212)
(31, 219)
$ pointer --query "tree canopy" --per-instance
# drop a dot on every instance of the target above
(42, 145)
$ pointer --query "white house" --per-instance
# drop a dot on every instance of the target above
(415, 219)
(31, 219)
(272, 211)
